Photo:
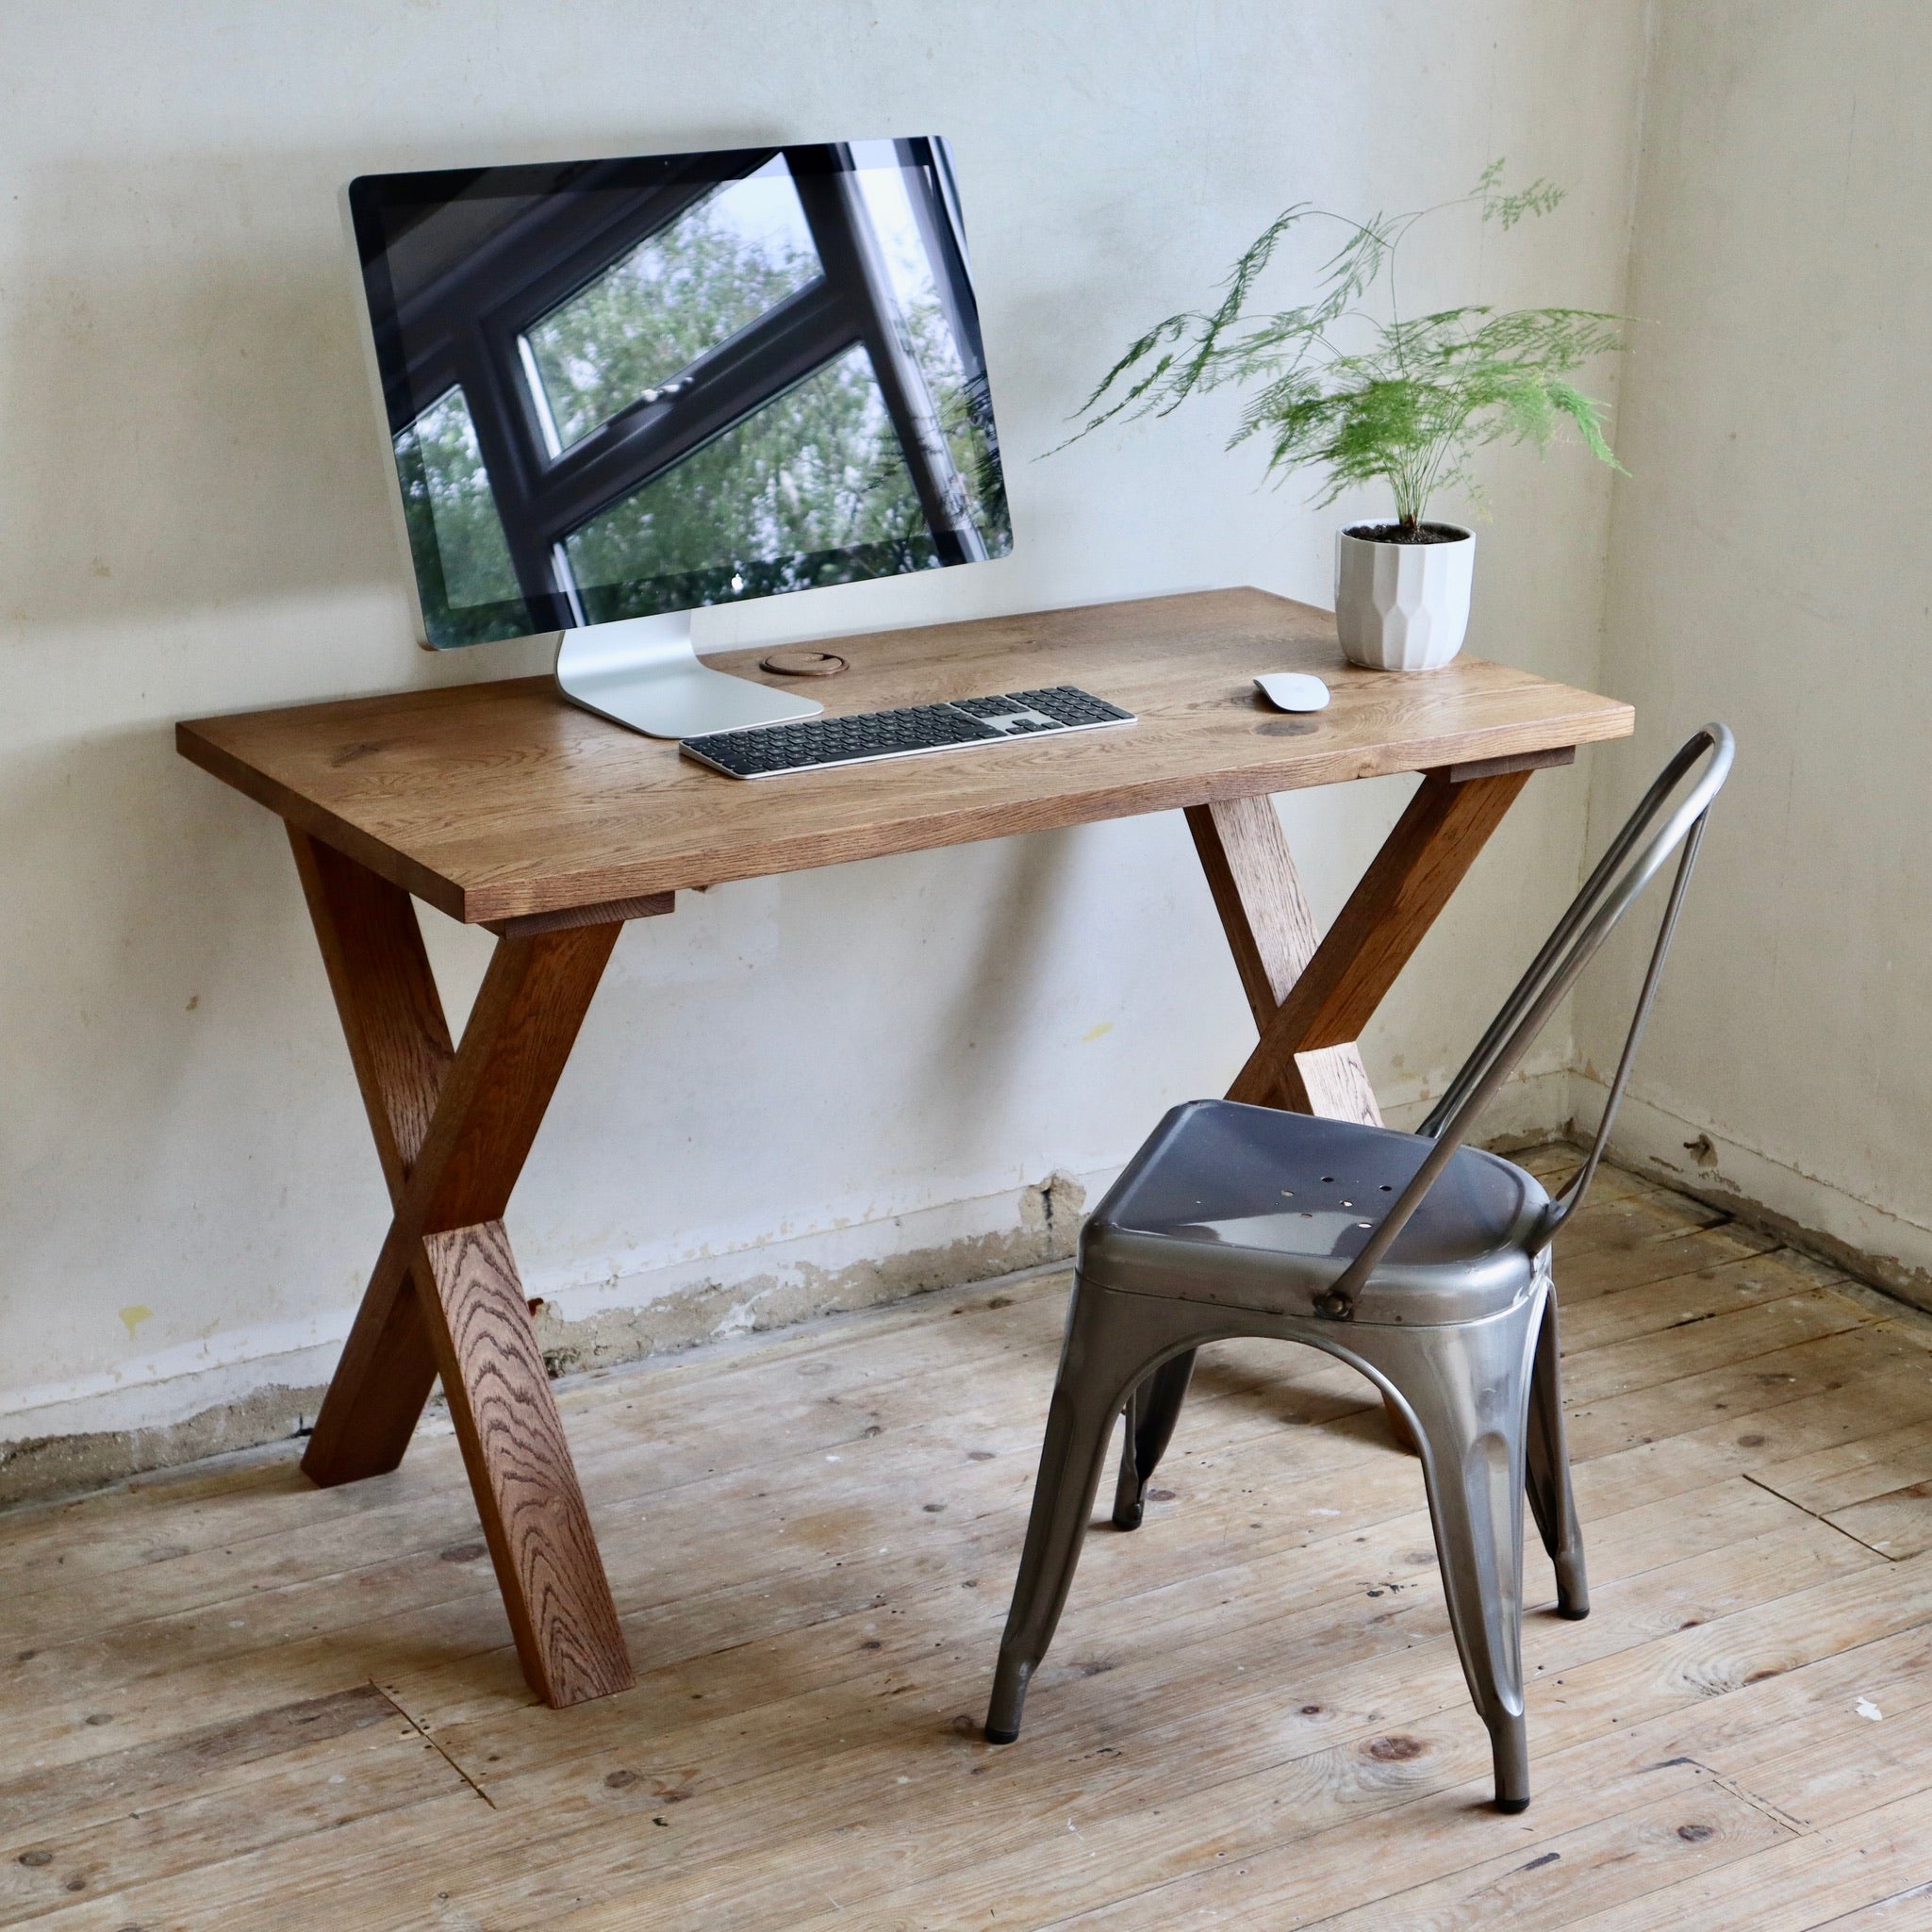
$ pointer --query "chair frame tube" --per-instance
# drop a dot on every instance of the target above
(1607, 895)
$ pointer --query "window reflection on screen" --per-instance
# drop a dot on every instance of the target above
(813, 474)
(629, 386)
(931, 330)
(736, 252)
(446, 498)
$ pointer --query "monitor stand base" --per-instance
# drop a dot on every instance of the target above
(642, 673)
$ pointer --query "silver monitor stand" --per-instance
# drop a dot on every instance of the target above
(642, 673)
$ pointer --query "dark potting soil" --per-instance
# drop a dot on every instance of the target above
(1395, 532)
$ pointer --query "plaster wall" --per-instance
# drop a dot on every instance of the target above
(794, 1091)
(1761, 572)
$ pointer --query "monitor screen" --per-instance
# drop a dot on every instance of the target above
(621, 388)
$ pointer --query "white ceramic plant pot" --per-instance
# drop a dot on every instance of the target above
(1402, 606)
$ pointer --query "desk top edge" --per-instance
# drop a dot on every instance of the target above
(251, 752)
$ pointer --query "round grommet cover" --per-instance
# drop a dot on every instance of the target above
(798, 662)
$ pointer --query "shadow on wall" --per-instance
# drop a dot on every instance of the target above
(197, 428)
(192, 422)
(975, 1054)
(887, 1018)
(129, 945)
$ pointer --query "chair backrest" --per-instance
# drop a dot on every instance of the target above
(1636, 855)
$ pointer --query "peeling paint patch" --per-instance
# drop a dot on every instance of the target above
(1049, 1223)
(44, 1466)
(1049, 1219)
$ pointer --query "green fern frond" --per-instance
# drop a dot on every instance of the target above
(1406, 410)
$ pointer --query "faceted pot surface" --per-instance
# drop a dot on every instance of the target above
(1403, 607)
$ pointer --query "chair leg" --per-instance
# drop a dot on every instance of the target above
(1152, 1411)
(1111, 1340)
(1552, 1502)
(1468, 1389)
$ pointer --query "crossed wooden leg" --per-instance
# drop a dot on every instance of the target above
(452, 1126)
(1311, 996)
(1320, 997)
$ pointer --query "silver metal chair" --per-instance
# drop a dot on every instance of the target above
(1420, 1261)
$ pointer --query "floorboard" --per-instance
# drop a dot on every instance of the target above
(235, 1701)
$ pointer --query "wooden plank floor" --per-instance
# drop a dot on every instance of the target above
(231, 1700)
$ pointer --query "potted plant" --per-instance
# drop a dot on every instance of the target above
(1380, 398)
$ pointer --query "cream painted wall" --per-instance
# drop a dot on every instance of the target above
(803, 1074)
(1766, 570)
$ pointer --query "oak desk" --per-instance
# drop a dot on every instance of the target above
(504, 806)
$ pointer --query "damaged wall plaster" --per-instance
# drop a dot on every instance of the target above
(1049, 1218)
(39, 1465)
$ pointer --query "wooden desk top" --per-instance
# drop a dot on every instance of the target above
(498, 800)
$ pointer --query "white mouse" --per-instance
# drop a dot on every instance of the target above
(1292, 690)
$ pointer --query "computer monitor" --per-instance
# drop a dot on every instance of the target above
(614, 391)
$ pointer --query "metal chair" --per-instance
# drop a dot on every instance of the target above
(1420, 1261)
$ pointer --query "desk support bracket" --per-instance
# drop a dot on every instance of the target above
(453, 1127)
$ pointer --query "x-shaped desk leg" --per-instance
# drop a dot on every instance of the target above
(1311, 995)
(452, 1126)
(1312, 999)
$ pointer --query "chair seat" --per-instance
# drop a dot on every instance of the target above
(1262, 1208)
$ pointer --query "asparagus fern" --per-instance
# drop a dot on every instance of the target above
(1406, 406)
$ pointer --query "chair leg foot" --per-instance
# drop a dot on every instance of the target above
(1009, 1700)
(1573, 1581)
(1510, 1749)
(1546, 1473)
(1152, 1411)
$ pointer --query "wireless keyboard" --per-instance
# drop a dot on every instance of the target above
(769, 750)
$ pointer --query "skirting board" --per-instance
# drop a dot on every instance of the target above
(1810, 1213)
(55, 1442)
